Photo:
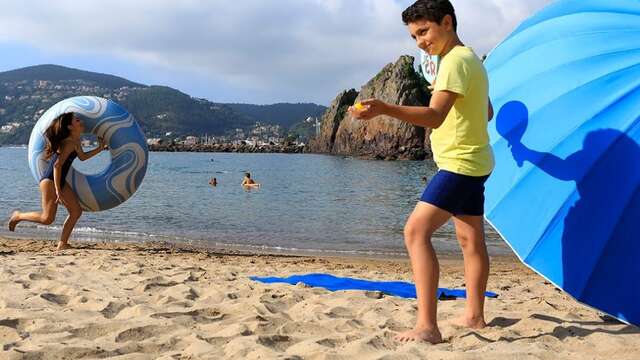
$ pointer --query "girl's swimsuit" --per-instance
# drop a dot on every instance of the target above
(48, 174)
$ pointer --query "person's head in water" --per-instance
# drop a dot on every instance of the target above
(432, 24)
(247, 175)
(61, 128)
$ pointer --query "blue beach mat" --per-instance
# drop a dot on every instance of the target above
(334, 283)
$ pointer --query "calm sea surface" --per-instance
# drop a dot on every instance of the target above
(306, 203)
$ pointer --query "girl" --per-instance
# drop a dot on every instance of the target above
(63, 146)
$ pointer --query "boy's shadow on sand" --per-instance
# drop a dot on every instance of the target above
(600, 263)
(560, 332)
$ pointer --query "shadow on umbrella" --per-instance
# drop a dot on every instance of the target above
(590, 248)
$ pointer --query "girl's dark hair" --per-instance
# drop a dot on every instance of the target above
(430, 10)
(56, 132)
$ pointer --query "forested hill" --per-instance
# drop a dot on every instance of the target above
(27, 92)
(50, 72)
(283, 114)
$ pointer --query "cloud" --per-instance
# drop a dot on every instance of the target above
(285, 50)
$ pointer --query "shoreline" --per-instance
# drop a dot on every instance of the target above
(229, 148)
(247, 249)
(150, 300)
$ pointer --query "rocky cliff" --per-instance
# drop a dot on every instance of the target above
(382, 137)
(331, 120)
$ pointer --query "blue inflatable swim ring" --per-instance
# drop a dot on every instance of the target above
(129, 153)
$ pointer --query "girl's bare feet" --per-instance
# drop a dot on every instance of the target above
(13, 221)
(429, 335)
(63, 246)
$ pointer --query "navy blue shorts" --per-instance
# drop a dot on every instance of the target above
(455, 193)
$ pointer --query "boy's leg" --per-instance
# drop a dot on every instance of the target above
(422, 223)
(470, 234)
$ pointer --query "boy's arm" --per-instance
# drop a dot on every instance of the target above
(430, 117)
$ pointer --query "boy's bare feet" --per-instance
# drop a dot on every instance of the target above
(469, 322)
(432, 336)
(63, 246)
(13, 221)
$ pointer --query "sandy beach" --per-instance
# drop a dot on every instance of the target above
(155, 301)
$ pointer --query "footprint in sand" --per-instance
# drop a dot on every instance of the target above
(8, 338)
(201, 316)
(184, 292)
(112, 309)
(38, 277)
(141, 333)
(55, 298)
(340, 312)
(157, 282)
(94, 331)
(276, 342)
(11, 323)
(25, 284)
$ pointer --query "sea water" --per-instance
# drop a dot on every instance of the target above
(306, 203)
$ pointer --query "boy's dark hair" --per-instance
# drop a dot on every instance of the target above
(247, 175)
(430, 10)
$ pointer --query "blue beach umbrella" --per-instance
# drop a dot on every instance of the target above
(565, 193)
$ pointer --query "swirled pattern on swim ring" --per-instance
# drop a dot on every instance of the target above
(129, 153)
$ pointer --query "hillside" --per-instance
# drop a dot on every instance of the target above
(283, 114)
(57, 73)
(26, 93)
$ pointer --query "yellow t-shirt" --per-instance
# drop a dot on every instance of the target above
(461, 143)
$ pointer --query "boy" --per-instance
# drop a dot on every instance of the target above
(248, 182)
(458, 114)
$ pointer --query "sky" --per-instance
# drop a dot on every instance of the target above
(242, 51)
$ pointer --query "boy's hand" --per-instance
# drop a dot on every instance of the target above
(369, 109)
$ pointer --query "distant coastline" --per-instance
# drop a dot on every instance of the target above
(230, 148)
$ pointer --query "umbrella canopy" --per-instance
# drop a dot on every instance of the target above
(565, 193)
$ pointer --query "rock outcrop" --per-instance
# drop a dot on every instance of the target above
(382, 137)
(331, 120)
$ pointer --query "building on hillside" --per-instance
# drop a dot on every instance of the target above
(10, 127)
(191, 140)
(154, 141)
